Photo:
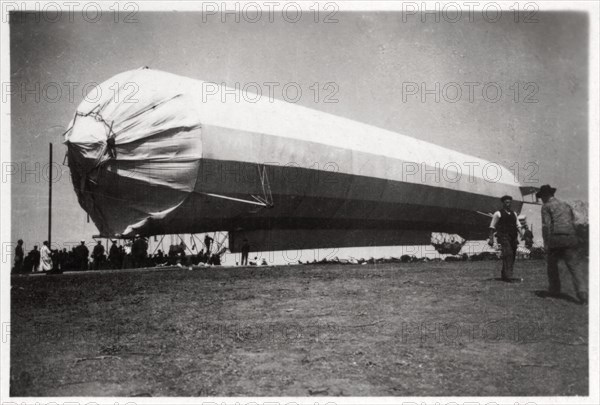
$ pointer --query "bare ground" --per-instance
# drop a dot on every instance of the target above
(422, 329)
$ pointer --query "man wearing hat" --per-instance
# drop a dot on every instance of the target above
(82, 256)
(527, 233)
(113, 255)
(561, 242)
(507, 227)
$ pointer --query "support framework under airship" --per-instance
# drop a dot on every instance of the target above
(157, 156)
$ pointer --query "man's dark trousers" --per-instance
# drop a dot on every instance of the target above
(571, 256)
(509, 253)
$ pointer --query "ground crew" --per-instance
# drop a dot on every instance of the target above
(45, 258)
(114, 255)
(83, 254)
(245, 252)
(19, 256)
(98, 255)
(561, 243)
(507, 227)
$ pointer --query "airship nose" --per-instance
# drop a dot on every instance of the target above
(88, 142)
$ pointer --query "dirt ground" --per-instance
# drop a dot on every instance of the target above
(419, 329)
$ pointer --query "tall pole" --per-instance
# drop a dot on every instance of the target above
(50, 200)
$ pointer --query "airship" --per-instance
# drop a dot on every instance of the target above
(154, 153)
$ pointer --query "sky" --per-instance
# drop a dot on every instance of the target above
(373, 59)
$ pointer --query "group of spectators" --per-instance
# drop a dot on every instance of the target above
(36, 260)
(59, 260)
(134, 254)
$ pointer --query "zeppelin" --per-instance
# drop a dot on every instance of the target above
(154, 155)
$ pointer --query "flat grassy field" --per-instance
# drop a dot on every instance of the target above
(418, 329)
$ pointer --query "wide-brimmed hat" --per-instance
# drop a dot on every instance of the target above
(545, 190)
(505, 197)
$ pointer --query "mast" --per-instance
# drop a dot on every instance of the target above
(50, 198)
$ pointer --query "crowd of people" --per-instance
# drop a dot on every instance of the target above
(132, 254)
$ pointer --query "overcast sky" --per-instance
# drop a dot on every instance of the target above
(370, 57)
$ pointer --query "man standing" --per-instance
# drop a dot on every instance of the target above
(113, 255)
(122, 256)
(207, 242)
(135, 248)
(245, 252)
(527, 234)
(507, 227)
(35, 259)
(561, 242)
(45, 257)
(98, 255)
(139, 251)
(63, 258)
(19, 256)
(159, 258)
(82, 256)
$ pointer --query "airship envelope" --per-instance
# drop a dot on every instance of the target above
(155, 153)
